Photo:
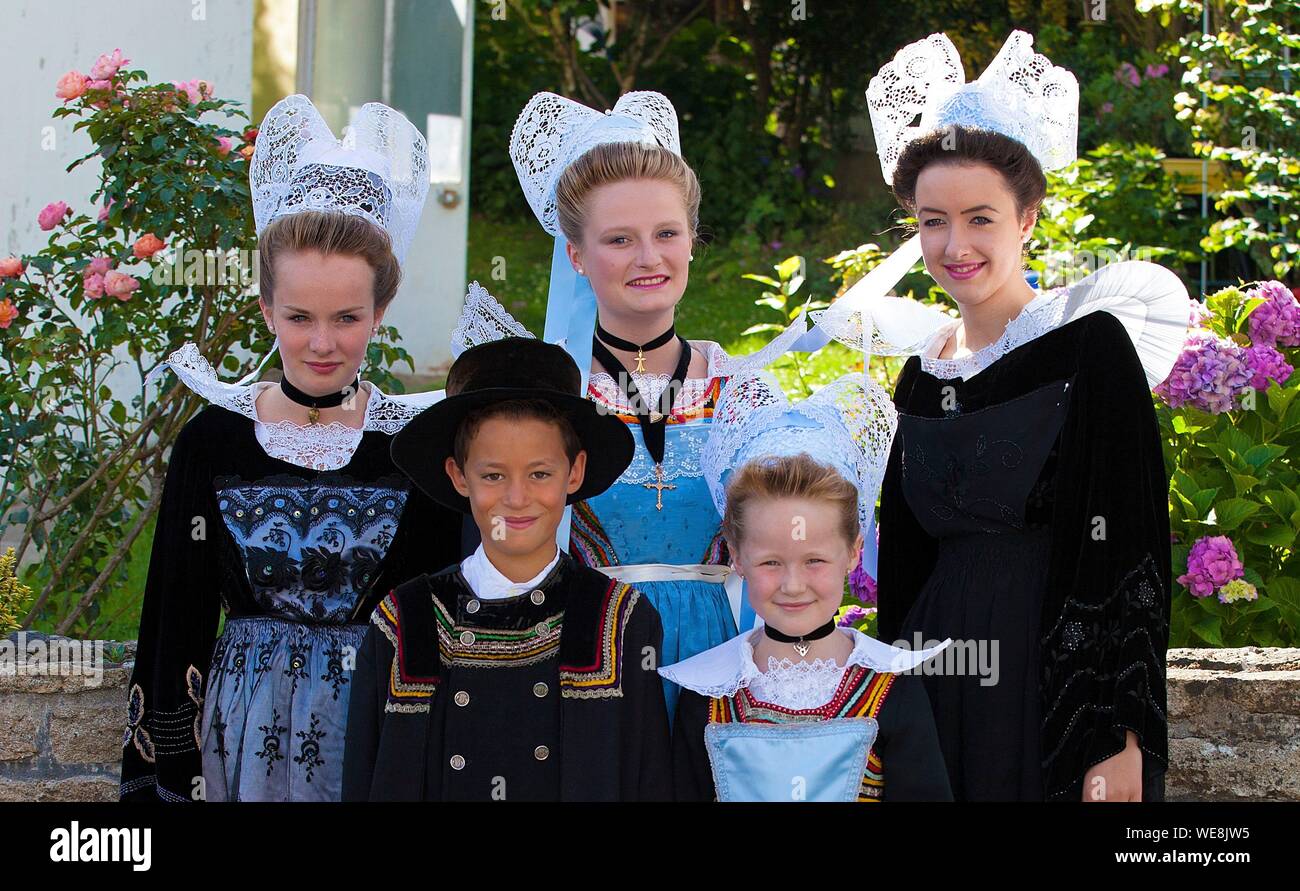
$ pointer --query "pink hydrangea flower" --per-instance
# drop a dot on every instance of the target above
(106, 65)
(1210, 374)
(1157, 71)
(1198, 314)
(52, 214)
(1107, 107)
(1212, 563)
(1266, 362)
(71, 86)
(1277, 319)
(120, 285)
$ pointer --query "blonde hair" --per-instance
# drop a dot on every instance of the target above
(790, 476)
(614, 162)
(330, 233)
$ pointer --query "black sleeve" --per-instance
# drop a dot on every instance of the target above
(908, 746)
(692, 775)
(650, 759)
(161, 756)
(365, 715)
(907, 552)
(1106, 630)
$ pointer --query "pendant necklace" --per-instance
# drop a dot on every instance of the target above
(803, 643)
(314, 404)
(652, 422)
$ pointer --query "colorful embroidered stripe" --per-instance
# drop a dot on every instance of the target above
(602, 677)
(588, 542)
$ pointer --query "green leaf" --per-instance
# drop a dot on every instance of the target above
(1258, 456)
(1203, 501)
(762, 279)
(1243, 482)
(118, 412)
(1208, 629)
(1232, 512)
(1276, 535)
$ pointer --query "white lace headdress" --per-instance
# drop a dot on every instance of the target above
(1021, 95)
(378, 170)
(552, 132)
(848, 424)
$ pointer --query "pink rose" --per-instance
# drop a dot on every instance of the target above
(224, 145)
(195, 90)
(146, 246)
(99, 85)
(98, 266)
(120, 285)
(107, 65)
(52, 214)
(104, 211)
(71, 85)
(94, 285)
(8, 312)
(11, 267)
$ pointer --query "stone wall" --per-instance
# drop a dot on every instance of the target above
(1234, 729)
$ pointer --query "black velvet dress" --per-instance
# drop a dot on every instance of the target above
(1024, 514)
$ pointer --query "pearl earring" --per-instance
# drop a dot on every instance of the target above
(581, 271)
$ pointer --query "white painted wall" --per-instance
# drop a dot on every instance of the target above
(42, 39)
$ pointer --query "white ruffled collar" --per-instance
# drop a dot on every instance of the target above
(384, 413)
(1037, 317)
(730, 666)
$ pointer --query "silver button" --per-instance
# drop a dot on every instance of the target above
(540, 690)
(537, 597)
(541, 753)
(542, 628)
(472, 606)
(462, 698)
(467, 638)
(457, 762)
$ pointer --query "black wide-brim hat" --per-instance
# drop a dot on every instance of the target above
(501, 370)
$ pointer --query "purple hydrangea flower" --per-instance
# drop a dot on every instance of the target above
(1212, 563)
(1157, 71)
(862, 585)
(1266, 362)
(1209, 374)
(853, 615)
(1277, 320)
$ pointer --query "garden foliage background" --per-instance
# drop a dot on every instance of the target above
(773, 119)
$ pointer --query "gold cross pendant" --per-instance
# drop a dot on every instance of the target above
(640, 362)
(660, 485)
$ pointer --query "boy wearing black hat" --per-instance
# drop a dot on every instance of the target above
(518, 674)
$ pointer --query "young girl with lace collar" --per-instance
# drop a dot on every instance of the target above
(799, 709)
(282, 507)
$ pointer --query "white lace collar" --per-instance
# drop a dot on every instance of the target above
(727, 667)
(1036, 318)
(651, 386)
(316, 446)
(1150, 301)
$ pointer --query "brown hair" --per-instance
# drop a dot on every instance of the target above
(967, 145)
(614, 162)
(330, 233)
(792, 476)
(514, 410)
